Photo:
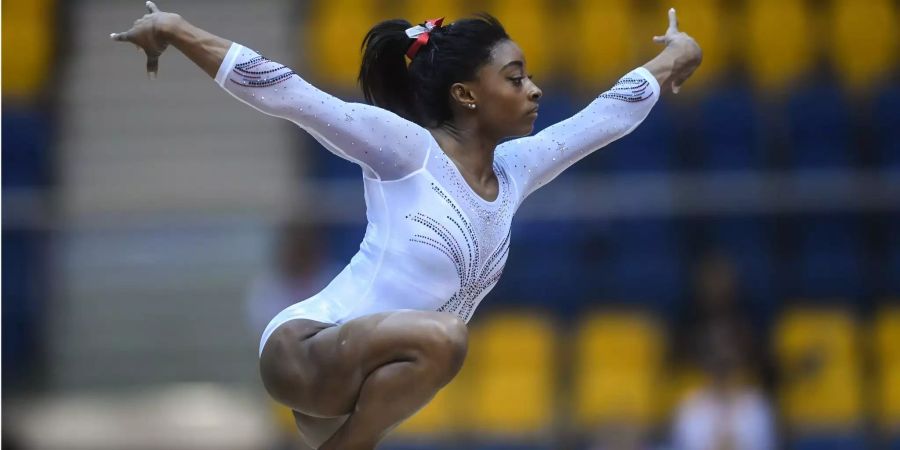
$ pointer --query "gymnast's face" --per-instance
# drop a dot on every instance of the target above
(506, 98)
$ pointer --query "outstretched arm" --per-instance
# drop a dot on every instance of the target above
(385, 145)
(536, 160)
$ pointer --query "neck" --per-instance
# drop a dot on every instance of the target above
(472, 151)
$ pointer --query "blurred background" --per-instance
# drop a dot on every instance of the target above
(726, 277)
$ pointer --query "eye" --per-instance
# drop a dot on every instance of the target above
(517, 81)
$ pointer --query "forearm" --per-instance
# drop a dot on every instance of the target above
(346, 129)
(612, 115)
(205, 49)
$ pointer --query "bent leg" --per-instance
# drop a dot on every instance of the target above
(380, 369)
(316, 430)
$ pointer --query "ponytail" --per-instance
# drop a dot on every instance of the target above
(384, 76)
(420, 91)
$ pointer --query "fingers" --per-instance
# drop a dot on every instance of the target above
(120, 37)
(673, 21)
(152, 7)
(152, 66)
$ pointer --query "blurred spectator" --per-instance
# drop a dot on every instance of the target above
(300, 269)
(728, 410)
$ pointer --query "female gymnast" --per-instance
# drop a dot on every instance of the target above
(389, 331)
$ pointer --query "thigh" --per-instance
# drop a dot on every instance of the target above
(317, 369)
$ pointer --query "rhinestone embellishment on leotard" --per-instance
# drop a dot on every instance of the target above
(259, 78)
(629, 90)
(489, 218)
(474, 275)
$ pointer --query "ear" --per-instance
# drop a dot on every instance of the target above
(462, 95)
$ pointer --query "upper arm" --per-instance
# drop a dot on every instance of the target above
(538, 159)
(383, 143)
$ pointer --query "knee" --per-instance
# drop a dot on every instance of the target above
(446, 343)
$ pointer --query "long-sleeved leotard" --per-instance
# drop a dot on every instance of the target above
(431, 243)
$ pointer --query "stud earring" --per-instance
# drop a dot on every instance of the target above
(471, 106)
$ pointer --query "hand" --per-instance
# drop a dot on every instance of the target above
(688, 54)
(149, 34)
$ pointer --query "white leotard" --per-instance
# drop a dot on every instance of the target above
(431, 242)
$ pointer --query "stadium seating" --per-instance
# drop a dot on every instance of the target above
(344, 241)
(600, 42)
(418, 12)
(526, 22)
(827, 257)
(746, 240)
(617, 364)
(559, 284)
(514, 363)
(649, 148)
(819, 127)
(830, 442)
(334, 30)
(885, 117)
(891, 277)
(30, 25)
(645, 263)
(817, 353)
(729, 130)
(886, 354)
(26, 146)
(779, 42)
(864, 46)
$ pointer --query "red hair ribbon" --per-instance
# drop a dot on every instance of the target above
(421, 33)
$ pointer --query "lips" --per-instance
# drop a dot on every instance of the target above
(533, 110)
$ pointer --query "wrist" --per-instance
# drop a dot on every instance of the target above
(168, 27)
(685, 51)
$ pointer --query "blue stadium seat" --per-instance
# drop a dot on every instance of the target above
(819, 125)
(847, 442)
(748, 242)
(892, 271)
(893, 443)
(829, 258)
(26, 140)
(641, 264)
(729, 127)
(344, 240)
(542, 268)
(886, 117)
(23, 301)
(649, 148)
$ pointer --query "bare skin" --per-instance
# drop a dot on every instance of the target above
(351, 384)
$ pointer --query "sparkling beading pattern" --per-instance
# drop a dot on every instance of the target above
(474, 276)
(629, 90)
(489, 218)
(259, 78)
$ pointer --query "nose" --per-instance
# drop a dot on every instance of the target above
(535, 93)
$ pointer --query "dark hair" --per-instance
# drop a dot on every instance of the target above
(420, 91)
